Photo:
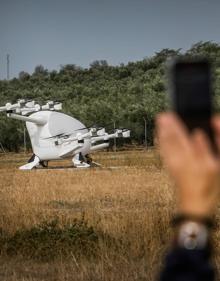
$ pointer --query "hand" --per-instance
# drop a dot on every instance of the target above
(191, 163)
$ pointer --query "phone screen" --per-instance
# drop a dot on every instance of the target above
(192, 95)
(192, 90)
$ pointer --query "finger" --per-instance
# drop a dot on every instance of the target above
(216, 126)
(203, 149)
(172, 133)
(201, 143)
(216, 122)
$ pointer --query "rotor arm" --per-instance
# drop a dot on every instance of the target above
(7, 107)
(118, 133)
(76, 138)
(99, 146)
(38, 121)
(25, 107)
(100, 138)
(104, 137)
(10, 107)
(3, 108)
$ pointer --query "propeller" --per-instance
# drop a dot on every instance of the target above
(45, 101)
(122, 129)
(123, 132)
(59, 100)
(56, 136)
(64, 134)
(9, 107)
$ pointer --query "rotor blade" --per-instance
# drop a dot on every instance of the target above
(61, 135)
(84, 128)
(56, 136)
(59, 100)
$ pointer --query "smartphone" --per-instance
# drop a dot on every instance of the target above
(191, 93)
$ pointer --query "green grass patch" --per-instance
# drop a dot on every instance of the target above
(49, 240)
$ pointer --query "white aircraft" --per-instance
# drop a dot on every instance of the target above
(56, 136)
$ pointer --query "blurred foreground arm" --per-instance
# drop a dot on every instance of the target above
(194, 168)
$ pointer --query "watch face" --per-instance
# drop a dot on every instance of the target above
(192, 235)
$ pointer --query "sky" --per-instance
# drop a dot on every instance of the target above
(59, 32)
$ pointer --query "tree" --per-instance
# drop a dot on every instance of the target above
(40, 70)
(24, 75)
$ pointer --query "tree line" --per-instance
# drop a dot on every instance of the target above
(103, 94)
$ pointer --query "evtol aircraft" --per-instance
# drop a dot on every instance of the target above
(56, 136)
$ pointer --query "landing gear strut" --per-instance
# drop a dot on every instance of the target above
(33, 162)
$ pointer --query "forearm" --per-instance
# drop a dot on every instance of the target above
(188, 265)
(190, 256)
(195, 169)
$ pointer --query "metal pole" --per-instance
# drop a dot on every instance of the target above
(115, 145)
(2, 147)
(25, 145)
(145, 132)
(8, 62)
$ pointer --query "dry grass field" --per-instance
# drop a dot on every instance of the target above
(109, 223)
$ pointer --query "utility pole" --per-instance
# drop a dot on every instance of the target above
(115, 148)
(8, 65)
(145, 132)
(25, 144)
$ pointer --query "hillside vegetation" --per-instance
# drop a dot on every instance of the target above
(102, 94)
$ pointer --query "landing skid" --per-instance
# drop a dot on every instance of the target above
(32, 163)
(79, 162)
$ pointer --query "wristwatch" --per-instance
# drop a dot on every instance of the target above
(192, 235)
